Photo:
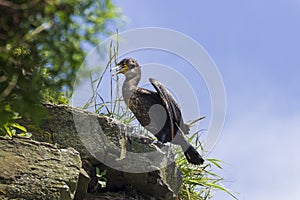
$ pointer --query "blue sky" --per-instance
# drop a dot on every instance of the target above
(256, 46)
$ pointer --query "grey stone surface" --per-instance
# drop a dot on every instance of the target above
(37, 170)
(111, 146)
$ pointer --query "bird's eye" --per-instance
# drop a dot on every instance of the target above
(131, 64)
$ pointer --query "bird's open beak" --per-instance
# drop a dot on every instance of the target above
(119, 69)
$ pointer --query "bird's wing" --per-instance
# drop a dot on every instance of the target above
(140, 103)
(171, 106)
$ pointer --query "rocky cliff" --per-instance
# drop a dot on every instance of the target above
(73, 151)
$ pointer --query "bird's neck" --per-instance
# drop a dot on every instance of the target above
(129, 87)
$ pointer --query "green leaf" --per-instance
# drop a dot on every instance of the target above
(102, 184)
(102, 173)
(26, 135)
(18, 126)
(215, 162)
(8, 130)
(216, 186)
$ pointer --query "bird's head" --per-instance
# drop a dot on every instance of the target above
(129, 67)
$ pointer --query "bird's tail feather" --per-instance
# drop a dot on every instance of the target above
(193, 156)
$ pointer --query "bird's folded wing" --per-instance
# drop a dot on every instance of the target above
(170, 103)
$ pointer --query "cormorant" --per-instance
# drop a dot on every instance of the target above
(157, 111)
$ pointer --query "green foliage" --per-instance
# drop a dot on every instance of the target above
(101, 177)
(55, 97)
(10, 129)
(41, 48)
(199, 182)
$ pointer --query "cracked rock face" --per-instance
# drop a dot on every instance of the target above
(36, 170)
(108, 145)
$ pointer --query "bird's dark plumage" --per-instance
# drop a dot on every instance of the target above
(157, 111)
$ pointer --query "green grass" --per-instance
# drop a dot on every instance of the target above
(200, 182)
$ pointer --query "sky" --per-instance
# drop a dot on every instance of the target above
(255, 45)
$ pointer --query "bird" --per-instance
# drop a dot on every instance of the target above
(157, 111)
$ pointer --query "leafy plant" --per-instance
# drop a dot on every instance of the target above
(199, 182)
(10, 129)
(101, 177)
(42, 45)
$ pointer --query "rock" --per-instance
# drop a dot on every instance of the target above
(37, 170)
(111, 196)
(83, 184)
(132, 160)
